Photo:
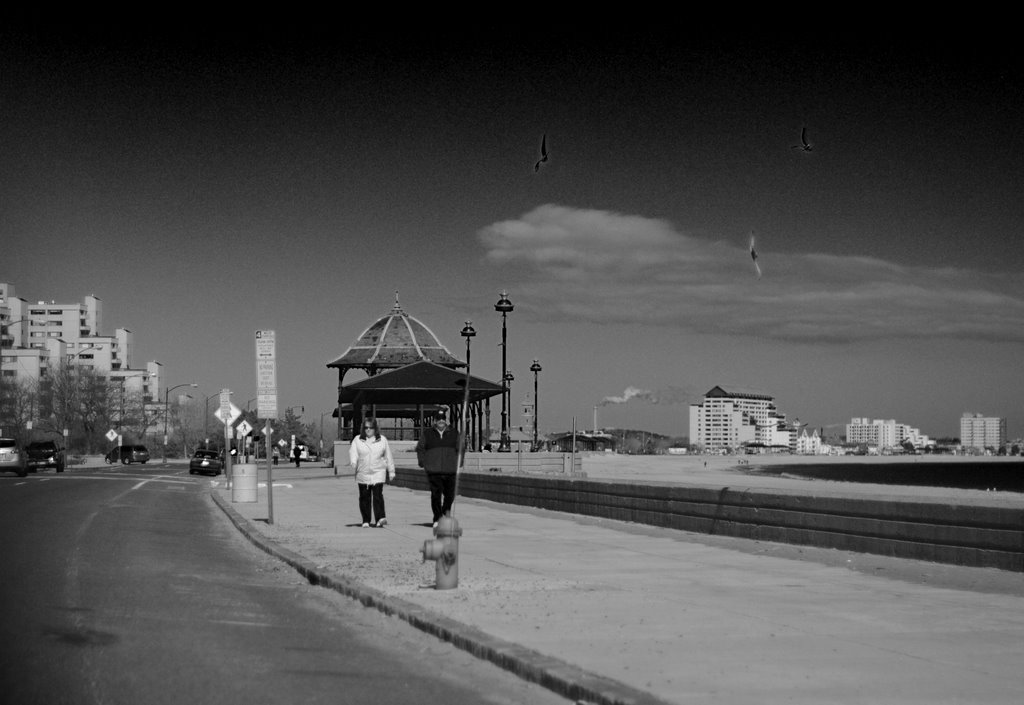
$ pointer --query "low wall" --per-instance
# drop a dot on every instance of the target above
(935, 531)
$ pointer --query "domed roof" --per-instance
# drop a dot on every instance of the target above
(396, 340)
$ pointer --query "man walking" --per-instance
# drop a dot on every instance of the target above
(437, 452)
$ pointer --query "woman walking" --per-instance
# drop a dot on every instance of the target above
(370, 455)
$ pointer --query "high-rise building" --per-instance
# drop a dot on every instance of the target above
(36, 338)
(731, 417)
(981, 432)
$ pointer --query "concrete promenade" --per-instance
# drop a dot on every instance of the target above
(614, 612)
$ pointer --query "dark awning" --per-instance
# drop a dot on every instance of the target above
(417, 383)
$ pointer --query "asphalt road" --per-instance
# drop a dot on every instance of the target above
(127, 585)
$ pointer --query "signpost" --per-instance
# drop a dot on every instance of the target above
(266, 400)
(224, 414)
(242, 434)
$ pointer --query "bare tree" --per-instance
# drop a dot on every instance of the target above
(18, 402)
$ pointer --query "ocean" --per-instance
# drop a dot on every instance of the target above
(1003, 477)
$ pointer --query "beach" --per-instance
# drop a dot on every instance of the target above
(742, 472)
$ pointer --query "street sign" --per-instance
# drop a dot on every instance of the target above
(111, 435)
(233, 412)
(225, 404)
(266, 374)
(243, 428)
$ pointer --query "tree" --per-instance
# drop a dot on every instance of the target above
(97, 407)
(17, 407)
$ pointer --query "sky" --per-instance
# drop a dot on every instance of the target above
(208, 185)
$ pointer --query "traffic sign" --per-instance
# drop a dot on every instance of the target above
(111, 435)
(233, 412)
(243, 428)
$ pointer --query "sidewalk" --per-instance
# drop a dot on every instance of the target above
(612, 612)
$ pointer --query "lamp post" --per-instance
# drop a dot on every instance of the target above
(467, 332)
(535, 368)
(167, 394)
(74, 400)
(245, 439)
(322, 456)
(3, 334)
(206, 419)
(506, 382)
(504, 307)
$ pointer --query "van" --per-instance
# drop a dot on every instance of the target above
(128, 454)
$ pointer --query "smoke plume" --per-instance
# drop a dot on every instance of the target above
(668, 395)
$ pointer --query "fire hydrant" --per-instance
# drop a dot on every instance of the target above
(444, 550)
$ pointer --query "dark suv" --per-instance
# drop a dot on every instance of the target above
(128, 454)
(45, 454)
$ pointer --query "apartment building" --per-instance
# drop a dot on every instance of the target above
(884, 433)
(730, 417)
(38, 337)
(981, 432)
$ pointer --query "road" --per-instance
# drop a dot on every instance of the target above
(127, 585)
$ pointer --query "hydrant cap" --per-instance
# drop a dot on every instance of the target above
(448, 526)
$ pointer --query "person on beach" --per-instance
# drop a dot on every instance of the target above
(370, 457)
(437, 452)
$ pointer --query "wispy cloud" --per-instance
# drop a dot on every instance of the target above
(594, 265)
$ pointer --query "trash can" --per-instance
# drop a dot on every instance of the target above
(243, 482)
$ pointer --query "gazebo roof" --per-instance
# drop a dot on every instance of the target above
(394, 341)
(419, 383)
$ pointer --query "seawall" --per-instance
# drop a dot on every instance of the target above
(933, 529)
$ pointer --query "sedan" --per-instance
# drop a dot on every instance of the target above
(12, 457)
(205, 462)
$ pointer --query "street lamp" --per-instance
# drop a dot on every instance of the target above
(167, 408)
(75, 402)
(329, 411)
(535, 368)
(4, 325)
(506, 382)
(206, 419)
(467, 332)
(504, 307)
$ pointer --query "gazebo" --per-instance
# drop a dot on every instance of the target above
(410, 376)
(418, 391)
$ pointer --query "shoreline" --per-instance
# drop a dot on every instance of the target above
(719, 471)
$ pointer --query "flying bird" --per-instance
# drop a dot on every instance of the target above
(543, 153)
(805, 145)
(753, 256)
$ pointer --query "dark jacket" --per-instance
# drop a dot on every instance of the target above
(438, 454)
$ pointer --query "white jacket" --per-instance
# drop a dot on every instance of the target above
(372, 460)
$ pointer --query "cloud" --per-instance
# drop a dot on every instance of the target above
(601, 266)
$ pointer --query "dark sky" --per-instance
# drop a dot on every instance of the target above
(205, 185)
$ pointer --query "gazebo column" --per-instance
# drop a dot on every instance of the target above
(487, 425)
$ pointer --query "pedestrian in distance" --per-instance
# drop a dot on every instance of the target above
(277, 455)
(297, 454)
(437, 452)
(370, 456)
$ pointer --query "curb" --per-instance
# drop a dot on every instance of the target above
(552, 673)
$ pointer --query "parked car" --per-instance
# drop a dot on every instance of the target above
(205, 462)
(12, 457)
(45, 454)
(128, 454)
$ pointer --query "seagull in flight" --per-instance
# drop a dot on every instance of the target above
(805, 146)
(753, 256)
(543, 153)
